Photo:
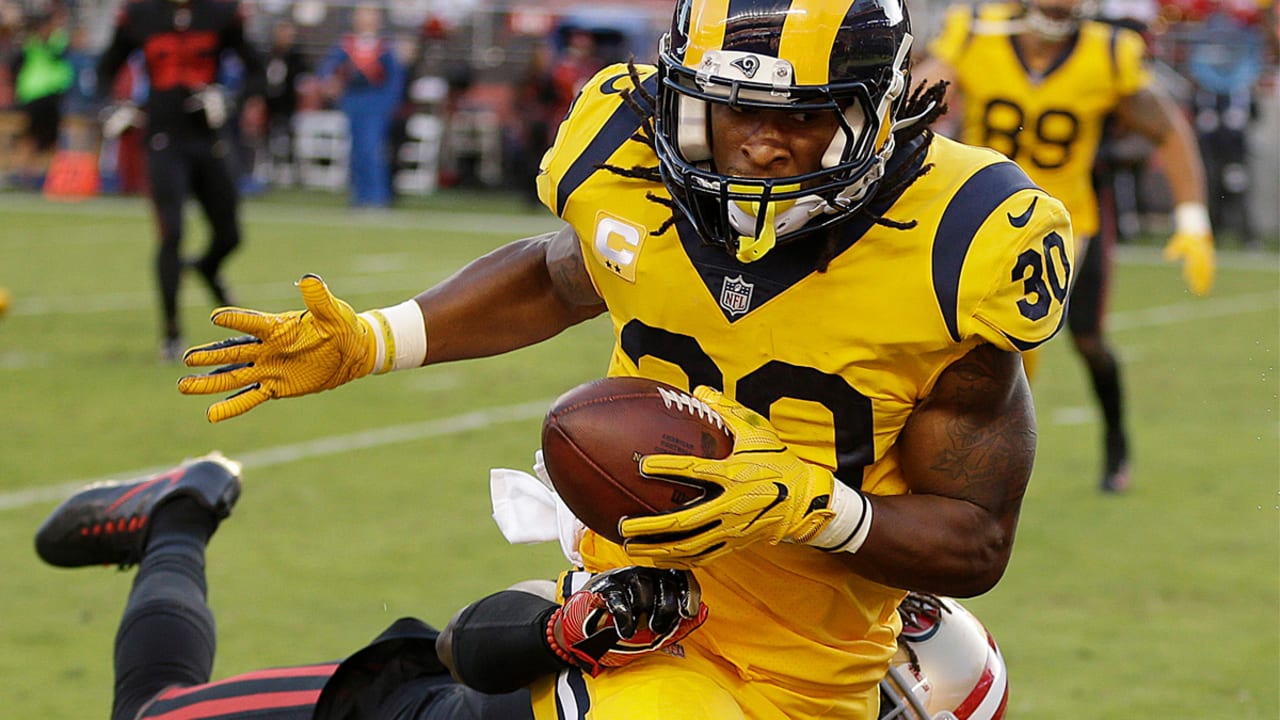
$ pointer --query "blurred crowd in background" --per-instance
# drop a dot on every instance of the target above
(474, 90)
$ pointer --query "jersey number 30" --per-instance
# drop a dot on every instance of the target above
(1045, 276)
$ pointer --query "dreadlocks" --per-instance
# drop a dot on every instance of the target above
(643, 107)
(925, 106)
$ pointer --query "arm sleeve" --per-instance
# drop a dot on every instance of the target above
(500, 642)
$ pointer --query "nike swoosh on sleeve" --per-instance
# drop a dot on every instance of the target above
(1025, 217)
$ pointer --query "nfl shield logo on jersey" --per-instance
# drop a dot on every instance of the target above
(735, 296)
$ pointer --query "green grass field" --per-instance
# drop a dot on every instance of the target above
(371, 502)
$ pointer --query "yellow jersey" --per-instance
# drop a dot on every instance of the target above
(836, 358)
(1051, 122)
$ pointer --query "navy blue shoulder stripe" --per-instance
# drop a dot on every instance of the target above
(620, 126)
(968, 209)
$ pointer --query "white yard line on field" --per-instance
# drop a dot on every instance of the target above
(320, 447)
(433, 220)
(1193, 309)
(405, 283)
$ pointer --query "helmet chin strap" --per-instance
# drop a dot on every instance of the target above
(760, 227)
(760, 223)
(750, 248)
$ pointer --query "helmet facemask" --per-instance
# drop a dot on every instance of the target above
(750, 215)
(900, 696)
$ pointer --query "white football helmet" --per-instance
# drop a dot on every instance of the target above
(948, 666)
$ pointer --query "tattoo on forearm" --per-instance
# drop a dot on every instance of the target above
(994, 448)
(568, 278)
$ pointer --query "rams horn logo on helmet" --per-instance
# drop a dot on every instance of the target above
(748, 65)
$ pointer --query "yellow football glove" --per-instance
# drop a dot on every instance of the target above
(1192, 243)
(761, 492)
(288, 354)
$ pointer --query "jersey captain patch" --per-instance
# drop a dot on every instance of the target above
(616, 244)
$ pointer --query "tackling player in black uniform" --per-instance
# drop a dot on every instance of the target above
(477, 668)
(182, 42)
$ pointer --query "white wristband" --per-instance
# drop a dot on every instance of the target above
(399, 336)
(849, 528)
(1191, 218)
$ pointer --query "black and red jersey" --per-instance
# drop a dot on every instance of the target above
(182, 43)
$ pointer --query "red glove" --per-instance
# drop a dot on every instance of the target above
(625, 613)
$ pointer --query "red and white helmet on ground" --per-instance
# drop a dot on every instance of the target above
(948, 666)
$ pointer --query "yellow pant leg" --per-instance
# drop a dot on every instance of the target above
(659, 690)
(691, 687)
(654, 687)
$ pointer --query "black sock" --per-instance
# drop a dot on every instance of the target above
(1105, 374)
(181, 516)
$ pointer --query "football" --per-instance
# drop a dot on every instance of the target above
(595, 434)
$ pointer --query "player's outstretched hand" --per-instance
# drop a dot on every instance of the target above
(761, 492)
(624, 613)
(284, 354)
(1195, 250)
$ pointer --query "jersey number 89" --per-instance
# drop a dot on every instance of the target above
(1054, 131)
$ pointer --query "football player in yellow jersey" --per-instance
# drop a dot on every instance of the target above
(1036, 82)
(767, 220)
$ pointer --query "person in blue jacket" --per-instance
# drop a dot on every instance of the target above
(363, 73)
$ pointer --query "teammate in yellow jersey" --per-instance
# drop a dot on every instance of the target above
(1036, 81)
(765, 217)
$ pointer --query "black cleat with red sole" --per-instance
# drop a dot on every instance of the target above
(108, 523)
